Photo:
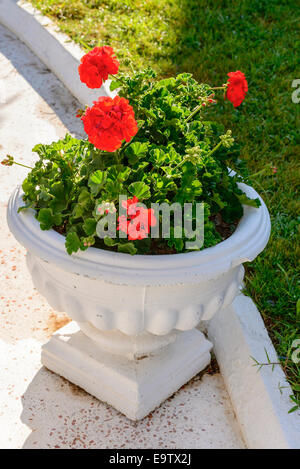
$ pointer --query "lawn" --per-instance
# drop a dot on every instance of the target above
(209, 39)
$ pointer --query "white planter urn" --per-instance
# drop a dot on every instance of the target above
(133, 341)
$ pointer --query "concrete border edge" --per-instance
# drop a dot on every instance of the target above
(260, 398)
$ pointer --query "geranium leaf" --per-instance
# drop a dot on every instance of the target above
(118, 172)
(47, 219)
(97, 181)
(114, 85)
(89, 226)
(244, 200)
(72, 242)
(135, 151)
(128, 248)
(110, 242)
(140, 190)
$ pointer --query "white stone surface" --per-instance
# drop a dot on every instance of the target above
(39, 109)
(38, 409)
(55, 49)
(261, 398)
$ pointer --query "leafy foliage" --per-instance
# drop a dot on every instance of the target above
(177, 156)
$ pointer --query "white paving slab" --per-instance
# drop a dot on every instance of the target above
(38, 409)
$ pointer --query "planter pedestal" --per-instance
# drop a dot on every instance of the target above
(134, 374)
(134, 342)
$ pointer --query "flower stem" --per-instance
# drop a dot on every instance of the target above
(120, 79)
(193, 113)
(262, 171)
(214, 149)
(124, 146)
(119, 156)
(24, 165)
(20, 164)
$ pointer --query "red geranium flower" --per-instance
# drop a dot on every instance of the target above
(137, 231)
(131, 206)
(138, 221)
(237, 87)
(96, 65)
(123, 223)
(108, 122)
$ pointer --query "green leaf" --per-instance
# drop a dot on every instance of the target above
(58, 190)
(110, 242)
(28, 187)
(135, 151)
(59, 202)
(217, 199)
(72, 242)
(293, 409)
(24, 207)
(85, 203)
(127, 248)
(89, 226)
(43, 195)
(245, 200)
(177, 243)
(84, 197)
(140, 190)
(118, 173)
(78, 211)
(47, 219)
(97, 181)
(114, 85)
(191, 187)
(159, 157)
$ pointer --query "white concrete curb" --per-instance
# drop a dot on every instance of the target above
(260, 398)
(54, 49)
(237, 332)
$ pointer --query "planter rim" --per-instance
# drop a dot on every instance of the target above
(247, 241)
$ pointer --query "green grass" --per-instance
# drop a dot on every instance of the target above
(209, 39)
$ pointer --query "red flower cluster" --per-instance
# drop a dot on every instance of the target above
(138, 221)
(108, 122)
(96, 65)
(237, 88)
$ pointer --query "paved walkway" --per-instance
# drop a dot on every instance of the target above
(37, 408)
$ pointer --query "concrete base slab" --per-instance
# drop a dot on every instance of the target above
(134, 387)
(40, 410)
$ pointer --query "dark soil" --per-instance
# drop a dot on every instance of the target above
(223, 228)
(159, 246)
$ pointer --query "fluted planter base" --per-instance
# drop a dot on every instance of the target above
(134, 385)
